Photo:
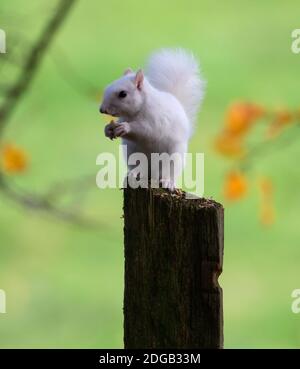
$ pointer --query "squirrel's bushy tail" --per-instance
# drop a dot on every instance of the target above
(176, 71)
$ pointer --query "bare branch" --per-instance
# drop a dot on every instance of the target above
(33, 61)
(266, 148)
(74, 185)
(12, 96)
(44, 205)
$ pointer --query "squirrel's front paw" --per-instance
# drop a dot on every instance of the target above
(109, 130)
(121, 129)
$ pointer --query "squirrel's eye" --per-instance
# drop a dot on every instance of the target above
(122, 94)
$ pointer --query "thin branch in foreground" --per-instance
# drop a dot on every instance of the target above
(74, 185)
(11, 97)
(44, 205)
(266, 148)
(33, 61)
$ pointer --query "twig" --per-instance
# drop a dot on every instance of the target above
(43, 204)
(69, 185)
(265, 147)
(14, 94)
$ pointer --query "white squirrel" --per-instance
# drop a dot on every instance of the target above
(157, 110)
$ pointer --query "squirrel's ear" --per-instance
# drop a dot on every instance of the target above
(139, 78)
(127, 71)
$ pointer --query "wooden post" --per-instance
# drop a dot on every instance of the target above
(173, 257)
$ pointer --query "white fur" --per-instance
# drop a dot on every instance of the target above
(158, 112)
(176, 71)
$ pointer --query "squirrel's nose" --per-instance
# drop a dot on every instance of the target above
(102, 111)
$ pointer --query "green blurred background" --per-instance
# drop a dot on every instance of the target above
(64, 283)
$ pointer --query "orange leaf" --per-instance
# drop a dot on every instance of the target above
(241, 116)
(267, 215)
(229, 145)
(282, 118)
(14, 159)
(235, 186)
